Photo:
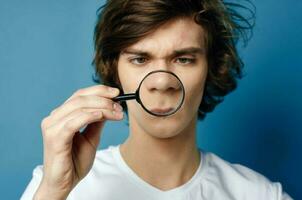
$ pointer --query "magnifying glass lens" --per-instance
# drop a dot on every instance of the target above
(161, 93)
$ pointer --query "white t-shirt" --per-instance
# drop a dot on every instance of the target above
(215, 179)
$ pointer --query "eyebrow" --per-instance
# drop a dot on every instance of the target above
(178, 52)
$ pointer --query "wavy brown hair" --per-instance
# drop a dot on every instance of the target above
(122, 23)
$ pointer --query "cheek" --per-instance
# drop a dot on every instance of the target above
(133, 106)
(128, 79)
(194, 96)
(194, 92)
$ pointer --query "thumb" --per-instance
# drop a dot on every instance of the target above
(93, 133)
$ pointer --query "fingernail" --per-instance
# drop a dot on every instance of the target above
(117, 107)
(119, 114)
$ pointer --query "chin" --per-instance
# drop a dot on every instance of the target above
(164, 127)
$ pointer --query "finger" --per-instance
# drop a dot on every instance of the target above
(99, 90)
(84, 102)
(78, 119)
(92, 133)
(84, 119)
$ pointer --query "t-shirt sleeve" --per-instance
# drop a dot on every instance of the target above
(261, 185)
(281, 195)
(33, 184)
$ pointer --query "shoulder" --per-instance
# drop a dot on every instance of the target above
(236, 171)
(239, 180)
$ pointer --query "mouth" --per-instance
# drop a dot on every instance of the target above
(161, 110)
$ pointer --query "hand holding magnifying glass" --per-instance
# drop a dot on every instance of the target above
(163, 100)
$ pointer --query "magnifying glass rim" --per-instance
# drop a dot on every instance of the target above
(160, 115)
(136, 96)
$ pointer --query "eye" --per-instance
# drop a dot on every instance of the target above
(138, 60)
(185, 60)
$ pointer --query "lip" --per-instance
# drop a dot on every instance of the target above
(161, 110)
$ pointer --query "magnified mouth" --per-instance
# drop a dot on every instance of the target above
(161, 110)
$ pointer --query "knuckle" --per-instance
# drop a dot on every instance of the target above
(44, 122)
(79, 91)
(77, 100)
(54, 111)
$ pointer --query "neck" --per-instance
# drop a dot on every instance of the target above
(165, 163)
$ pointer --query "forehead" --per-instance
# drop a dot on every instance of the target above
(175, 34)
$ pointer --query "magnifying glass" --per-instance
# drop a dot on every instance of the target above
(160, 93)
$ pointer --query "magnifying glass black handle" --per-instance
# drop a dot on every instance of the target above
(125, 97)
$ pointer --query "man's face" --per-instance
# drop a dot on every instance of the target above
(177, 46)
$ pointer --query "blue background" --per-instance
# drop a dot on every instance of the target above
(46, 49)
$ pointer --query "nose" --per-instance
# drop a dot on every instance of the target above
(161, 82)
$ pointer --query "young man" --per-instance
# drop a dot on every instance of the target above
(195, 40)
